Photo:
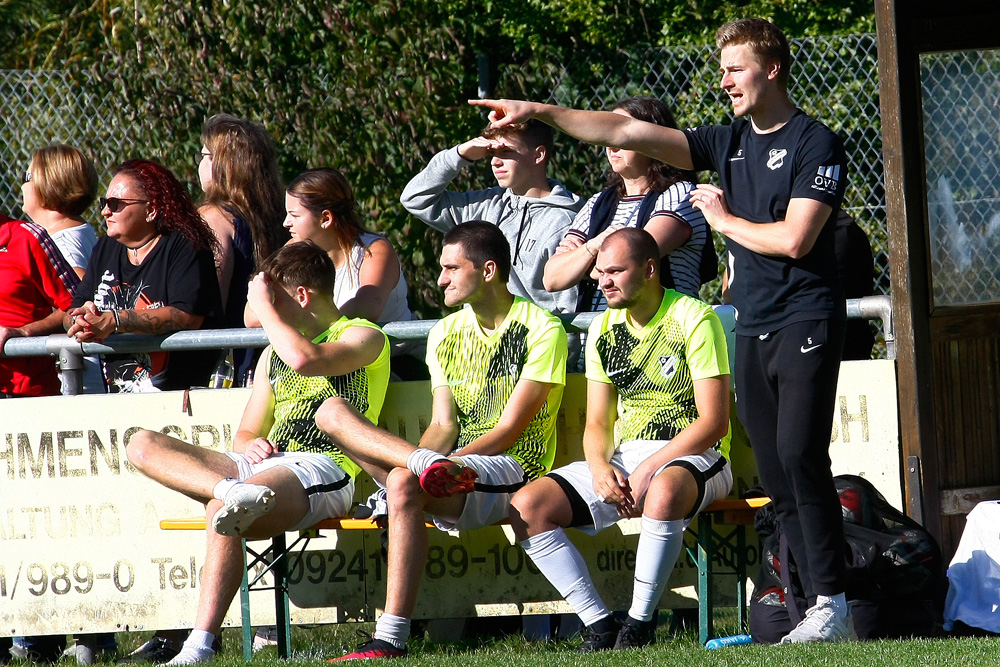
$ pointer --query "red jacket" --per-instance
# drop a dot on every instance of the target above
(34, 280)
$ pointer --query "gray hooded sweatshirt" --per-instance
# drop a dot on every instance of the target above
(534, 227)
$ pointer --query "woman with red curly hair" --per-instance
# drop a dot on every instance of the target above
(153, 273)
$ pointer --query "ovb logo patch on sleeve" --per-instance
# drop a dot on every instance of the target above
(827, 179)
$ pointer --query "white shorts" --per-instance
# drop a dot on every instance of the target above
(330, 490)
(499, 477)
(711, 471)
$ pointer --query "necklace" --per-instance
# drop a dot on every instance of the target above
(135, 250)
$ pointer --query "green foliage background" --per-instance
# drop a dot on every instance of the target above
(372, 87)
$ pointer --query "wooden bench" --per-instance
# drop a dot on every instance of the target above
(275, 559)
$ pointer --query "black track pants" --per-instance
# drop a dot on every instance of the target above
(786, 385)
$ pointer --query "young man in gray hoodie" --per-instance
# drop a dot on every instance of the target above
(533, 211)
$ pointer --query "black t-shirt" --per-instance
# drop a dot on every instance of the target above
(760, 174)
(172, 274)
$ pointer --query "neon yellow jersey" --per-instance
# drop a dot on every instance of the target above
(654, 368)
(482, 371)
(298, 397)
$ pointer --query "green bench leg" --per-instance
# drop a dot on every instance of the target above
(741, 579)
(705, 556)
(282, 620)
(245, 607)
(282, 617)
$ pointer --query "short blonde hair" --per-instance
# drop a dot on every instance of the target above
(64, 179)
(767, 42)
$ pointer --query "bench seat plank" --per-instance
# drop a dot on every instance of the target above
(736, 506)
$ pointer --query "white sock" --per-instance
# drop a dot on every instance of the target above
(837, 602)
(564, 567)
(393, 629)
(421, 459)
(660, 543)
(197, 648)
(223, 487)
(200, 639)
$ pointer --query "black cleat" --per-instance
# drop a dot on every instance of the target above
(600, 636)
(636, 634)
(157, 651)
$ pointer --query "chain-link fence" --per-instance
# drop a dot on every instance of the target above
(44, 107)
(961, 105)
(833, 79)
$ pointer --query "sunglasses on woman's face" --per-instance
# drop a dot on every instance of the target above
(115, 204)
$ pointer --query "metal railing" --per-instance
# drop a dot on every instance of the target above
(71, 353)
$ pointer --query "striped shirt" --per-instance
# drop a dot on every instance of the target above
(675, 202)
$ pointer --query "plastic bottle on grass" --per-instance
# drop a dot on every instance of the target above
(723, 642)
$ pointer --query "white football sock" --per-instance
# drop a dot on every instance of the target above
(564, 567)
(197, 648)
(393, 629)
(660, 543)
(223, 487)
(421, 459)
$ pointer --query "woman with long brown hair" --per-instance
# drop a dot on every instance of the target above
(243, 203)
(320, 207)
(370, 284)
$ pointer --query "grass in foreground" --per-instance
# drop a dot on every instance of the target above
(313, 646)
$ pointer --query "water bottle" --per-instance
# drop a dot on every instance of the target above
(722, 642)
(222, 378)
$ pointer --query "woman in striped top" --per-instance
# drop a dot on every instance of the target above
(640, 192)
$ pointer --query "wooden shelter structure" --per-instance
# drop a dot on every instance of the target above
(939, 68)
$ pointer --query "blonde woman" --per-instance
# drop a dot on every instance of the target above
(59, 186)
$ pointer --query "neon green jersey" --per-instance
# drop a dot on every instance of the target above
(482, 371)
(654, 368)
(298, 397)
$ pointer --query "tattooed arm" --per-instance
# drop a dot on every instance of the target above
(88, 323)
(157, 320)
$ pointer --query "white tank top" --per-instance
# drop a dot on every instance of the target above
(348, 282)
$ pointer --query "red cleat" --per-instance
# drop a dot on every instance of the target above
(444, 479)
(373, 649)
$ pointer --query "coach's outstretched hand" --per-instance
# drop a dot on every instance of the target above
(507, 112)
